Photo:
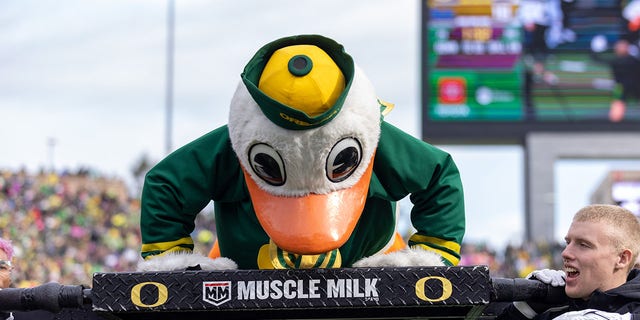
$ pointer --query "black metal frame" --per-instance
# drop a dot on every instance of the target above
(347, 293)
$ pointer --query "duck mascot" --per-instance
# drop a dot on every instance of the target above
(306, 174)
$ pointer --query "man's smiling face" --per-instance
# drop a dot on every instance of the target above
(590, 260)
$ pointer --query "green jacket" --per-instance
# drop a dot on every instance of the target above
(206, 169)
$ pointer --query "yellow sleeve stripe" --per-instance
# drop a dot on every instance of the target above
(451, 245)
(450, 250)
(451, 258)
(183, 244)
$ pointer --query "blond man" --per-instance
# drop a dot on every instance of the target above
(599, 277)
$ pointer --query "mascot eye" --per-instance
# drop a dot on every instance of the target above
(267, 164)
(343, 159)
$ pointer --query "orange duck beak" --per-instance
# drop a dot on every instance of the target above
(311, 224)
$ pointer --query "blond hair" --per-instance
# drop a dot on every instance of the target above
(624, 226)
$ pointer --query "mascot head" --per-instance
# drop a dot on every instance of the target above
(304, 123)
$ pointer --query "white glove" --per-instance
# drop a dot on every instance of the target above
(599, 43)
(548, 276)
(592, 314)
(410, 257)
(182, 260)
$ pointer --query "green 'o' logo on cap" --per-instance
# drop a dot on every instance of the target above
(300, 65)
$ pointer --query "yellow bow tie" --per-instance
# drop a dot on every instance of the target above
(272, 257)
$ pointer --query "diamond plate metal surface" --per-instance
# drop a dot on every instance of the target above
(373, 289)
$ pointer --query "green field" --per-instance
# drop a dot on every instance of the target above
(582, 90)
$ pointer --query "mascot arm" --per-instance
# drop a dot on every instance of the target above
(438, 214)
(409, 166)
(174, 192)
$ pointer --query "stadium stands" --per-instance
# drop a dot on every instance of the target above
(65, 227)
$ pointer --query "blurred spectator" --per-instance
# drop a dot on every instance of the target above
(514, 261)
(72, 225)
(542, 25)
(631, 19)
(6, 254)
(69, 226)
(625, 70)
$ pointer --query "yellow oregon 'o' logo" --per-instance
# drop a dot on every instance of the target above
(163, 294)
(447, 289)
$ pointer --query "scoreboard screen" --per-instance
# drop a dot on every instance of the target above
(494, 70)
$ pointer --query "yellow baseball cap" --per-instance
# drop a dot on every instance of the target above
(302, 77)
(300, 82)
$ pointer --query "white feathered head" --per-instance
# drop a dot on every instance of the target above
(304, 123)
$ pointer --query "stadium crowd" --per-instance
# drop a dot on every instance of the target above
(67, 226)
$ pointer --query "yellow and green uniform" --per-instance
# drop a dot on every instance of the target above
(207, 169)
